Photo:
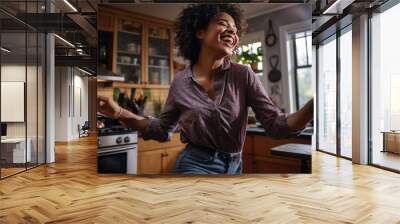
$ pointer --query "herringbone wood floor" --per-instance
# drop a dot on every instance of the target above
(70, 191)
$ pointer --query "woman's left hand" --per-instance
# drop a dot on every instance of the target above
(298, 120)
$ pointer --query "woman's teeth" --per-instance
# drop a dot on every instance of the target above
(228, 39)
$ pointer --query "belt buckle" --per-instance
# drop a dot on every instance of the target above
(220, 155)
(226, 154)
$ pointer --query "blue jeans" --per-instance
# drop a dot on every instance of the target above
(199, 160)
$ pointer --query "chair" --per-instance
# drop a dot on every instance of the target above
(84, 130)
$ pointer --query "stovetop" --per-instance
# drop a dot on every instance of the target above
(116, 136)
(114, 131)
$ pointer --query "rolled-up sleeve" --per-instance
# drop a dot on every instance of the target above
(161, 128)
(267, 113)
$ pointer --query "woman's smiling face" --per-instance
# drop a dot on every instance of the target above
(220, 35)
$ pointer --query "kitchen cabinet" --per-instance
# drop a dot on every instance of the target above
(129, 43)
(142, 48)
(158, 157)
(105, 22)
(257, 156)
(169, 158)
(248, 159)
(150, 162)
(159, 61)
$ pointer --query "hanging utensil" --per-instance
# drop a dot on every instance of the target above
(270, 38)
(274, 75)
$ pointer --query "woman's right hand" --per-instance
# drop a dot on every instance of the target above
(108, 107)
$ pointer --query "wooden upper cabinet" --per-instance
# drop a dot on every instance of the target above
(142, 47)
(159, 55)
(129, 50)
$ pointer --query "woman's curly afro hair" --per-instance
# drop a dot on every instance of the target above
(196, 17)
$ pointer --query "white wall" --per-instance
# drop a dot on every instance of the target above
(71, 94)
(360, 90)
(12, 73)
(50, 92)
(81, 104)
(34, 125)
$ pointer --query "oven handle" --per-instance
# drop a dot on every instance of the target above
(115, 150)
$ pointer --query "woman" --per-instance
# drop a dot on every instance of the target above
(210, 99)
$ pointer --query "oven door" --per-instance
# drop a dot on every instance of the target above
(117, 160)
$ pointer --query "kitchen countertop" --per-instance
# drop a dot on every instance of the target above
(253, 130)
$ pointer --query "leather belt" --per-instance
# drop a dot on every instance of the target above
(215, 152)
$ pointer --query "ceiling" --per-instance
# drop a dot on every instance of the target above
(38, 6)
(169, 11)
(22, 47)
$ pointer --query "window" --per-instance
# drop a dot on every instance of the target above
(334, 94)
(346, 93)
(385, 89)
(302, 67)
(252, 55)
(327, 131)
(22, 75)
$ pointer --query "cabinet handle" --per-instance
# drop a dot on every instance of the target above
(164, 154)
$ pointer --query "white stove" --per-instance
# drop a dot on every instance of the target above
(117, 150)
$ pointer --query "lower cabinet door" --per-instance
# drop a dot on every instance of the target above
(150, 162)
(276, 165)
(169, 159)
(248, 164)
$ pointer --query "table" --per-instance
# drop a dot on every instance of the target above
(15, 148)
(297, 151)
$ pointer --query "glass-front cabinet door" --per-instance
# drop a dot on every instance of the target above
(159, 67)
(129, 36)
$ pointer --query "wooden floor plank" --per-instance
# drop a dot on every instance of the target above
(71, 191)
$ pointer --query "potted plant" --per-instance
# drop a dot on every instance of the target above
(250, 58)
(158, 106)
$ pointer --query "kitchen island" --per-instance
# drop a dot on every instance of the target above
(257, 157)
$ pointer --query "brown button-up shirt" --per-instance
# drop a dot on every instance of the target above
(219, 123)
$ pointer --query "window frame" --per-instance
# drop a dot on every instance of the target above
(370, 149)
(286, 59)
(336, 36)
(296, 66)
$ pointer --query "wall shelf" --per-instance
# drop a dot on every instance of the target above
(127, 64)
(138, 86)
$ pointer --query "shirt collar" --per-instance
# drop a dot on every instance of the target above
(225, 66)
